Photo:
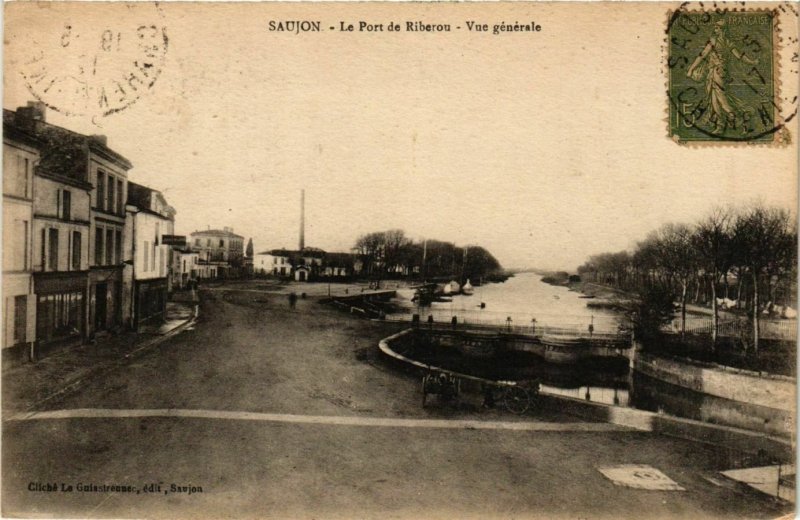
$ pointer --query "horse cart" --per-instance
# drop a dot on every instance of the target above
(515, 397)
(443, 384)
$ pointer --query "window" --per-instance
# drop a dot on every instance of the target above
(20, 318)
(101, 190)
(15, 240)
(111, 199)
(43, 253)
(161, 261)
(208, 242)
(118, 245)
(15, 174)
(221, 243)
(52, 261)
(197, 241)
(146, 255)
(59, 315)
(120, 203)
(66, 204)
(76, 250)
(109, 246)
(98, 246)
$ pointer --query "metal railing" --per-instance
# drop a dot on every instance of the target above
(589, 326)
(768, 328)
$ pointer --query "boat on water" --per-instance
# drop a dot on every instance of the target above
(467, 289)
(452, 287)
(426, 294)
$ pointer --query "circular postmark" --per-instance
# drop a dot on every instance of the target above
(724, 73)
(94, 61)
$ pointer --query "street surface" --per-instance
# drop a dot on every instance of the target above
(261, 411)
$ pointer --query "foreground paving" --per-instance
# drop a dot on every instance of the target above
(261, 411)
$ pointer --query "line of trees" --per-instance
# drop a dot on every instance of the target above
(749, 254)
(391, 254)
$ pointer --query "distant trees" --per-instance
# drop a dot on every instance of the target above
(392, 254)
(755, 246)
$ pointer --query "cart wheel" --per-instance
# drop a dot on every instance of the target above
(516, 400)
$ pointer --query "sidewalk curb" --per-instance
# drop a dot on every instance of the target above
(103, 368)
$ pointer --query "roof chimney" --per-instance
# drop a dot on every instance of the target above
(302, 219)
(100, 139)
(228, 229)
(26, 117)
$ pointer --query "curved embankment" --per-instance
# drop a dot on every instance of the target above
(724, 395)
(473, 382)
(738, 439)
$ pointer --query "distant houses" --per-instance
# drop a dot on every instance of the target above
(220, 253)
(303, 265)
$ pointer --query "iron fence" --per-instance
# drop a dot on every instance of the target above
(737, 328)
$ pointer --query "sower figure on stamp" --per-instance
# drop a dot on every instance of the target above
(713, 66)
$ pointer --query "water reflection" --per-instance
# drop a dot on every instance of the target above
(598, 394)
(524, 298)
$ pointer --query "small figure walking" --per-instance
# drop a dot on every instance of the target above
(292, 300)
(488, 396)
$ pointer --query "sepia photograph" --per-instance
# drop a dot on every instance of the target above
(406, 260)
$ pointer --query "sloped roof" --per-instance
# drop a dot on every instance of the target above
(142, 197)
(64, 153)
(15, 133)
(215, 233)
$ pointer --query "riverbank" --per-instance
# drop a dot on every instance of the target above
(596, 290)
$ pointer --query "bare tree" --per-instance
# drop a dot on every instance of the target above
(765, 243)
(678, 256)
(713, 243)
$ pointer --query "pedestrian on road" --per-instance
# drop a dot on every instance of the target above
(292, 300)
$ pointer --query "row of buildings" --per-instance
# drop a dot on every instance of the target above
(305, 264)
(86, 250)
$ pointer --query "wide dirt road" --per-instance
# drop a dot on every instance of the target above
(262, 411)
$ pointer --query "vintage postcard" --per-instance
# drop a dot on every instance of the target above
(415, 260)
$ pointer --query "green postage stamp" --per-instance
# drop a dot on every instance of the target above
(722, 76)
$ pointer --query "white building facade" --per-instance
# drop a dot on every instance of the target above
(20, 154)
(149, 219)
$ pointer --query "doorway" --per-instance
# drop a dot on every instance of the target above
(100, 306)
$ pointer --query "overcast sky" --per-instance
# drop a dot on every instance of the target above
(543, 148)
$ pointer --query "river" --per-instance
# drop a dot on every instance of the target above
(523, 298)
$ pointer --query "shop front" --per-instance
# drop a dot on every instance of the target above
(60, 309)
(151, 301)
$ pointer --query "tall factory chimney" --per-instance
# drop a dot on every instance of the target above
(302, 219)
